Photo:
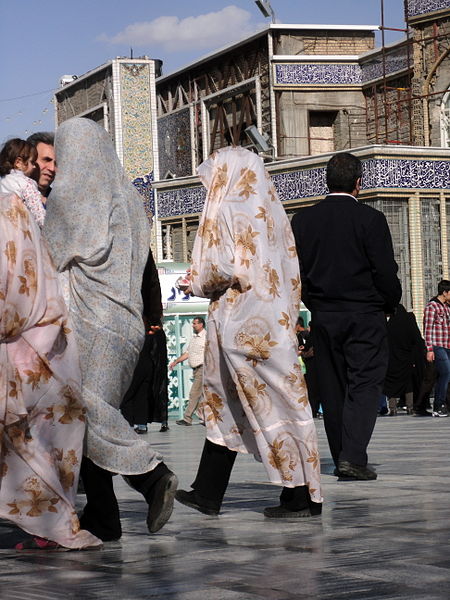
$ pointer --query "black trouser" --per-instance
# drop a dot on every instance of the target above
(214, 472)
(101, 514)
(352, 355)
(312, 383)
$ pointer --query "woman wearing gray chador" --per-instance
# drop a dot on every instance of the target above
(97, 231)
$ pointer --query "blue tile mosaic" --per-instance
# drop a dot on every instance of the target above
(420, 7)
(394, 62)
(391, 173)
(144, 187)
(183, 201)
(317, 74)
(406, 173)
(174, 141)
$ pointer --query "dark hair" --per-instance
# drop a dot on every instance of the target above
(443, 286)
(42, 137)
(200, 320)
(301, 322)
(12, 150)
(343, 171)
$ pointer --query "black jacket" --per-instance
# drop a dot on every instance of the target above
(346, 257)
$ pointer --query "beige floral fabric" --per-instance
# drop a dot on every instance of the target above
(42, 417)
(244, 260)
(97, 232)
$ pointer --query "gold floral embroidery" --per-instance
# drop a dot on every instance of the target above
(292, 251)
(244, 241)
(40, 371)
(253, 390)
(274, 280)
(220, 179)
(214, 403)
(13, 324)
(272, 193)
(296, 285)
(209, 230)
(16, 212)
(259, 347)
(285, 320)
(262, 213)
(246, 182)
(65, 466)
(314, 458)
(11, 252)
(281, 460)
(72, 409)
(40, 501)
(19, 433)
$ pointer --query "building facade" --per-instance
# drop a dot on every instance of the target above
(310, 90)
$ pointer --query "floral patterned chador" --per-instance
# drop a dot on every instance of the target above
(244, 260)
(42, 417)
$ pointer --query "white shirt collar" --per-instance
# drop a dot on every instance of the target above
(343, 194)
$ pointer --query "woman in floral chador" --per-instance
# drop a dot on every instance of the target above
(255, 400)
(42, 417)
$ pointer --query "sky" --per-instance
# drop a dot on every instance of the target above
(41, 40)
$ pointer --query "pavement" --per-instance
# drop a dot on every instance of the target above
(384, 539)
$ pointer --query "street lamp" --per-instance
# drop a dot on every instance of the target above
(266, 9)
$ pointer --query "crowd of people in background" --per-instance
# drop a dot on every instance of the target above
(84, 358)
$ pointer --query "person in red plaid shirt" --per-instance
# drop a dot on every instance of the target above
(436, 325)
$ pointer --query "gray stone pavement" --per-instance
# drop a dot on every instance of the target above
(386, 539)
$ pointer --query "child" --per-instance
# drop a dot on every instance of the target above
(17, 164)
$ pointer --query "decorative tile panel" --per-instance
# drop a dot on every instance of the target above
(394, 62)
(300, 184)
(420, 7)
(144, 187)
(406, 174)
(390, 173)
(182, 201)
(136, 118)
(317, 74)
(174, 141)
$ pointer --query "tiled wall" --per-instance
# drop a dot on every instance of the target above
(419, 7)
(174, 141)
(137, 141)
(317, 74)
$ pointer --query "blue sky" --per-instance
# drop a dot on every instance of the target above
(41, 41)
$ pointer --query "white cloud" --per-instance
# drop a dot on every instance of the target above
(192, 33)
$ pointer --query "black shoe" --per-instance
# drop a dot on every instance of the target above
(383, 411)
(193, 500)
(141, 429)
(183, 422)
(348, 469)
(161, 507)
(421, 413)
(164, 428)
(440, 412)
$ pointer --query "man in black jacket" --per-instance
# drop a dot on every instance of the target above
(349, 281)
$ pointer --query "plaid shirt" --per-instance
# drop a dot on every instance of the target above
(436, 324)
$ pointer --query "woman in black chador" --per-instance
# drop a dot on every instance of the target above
(146, 400)
(404, 339)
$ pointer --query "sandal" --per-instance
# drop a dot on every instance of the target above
(38, 543)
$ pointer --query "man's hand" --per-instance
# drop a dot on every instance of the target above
(430, 356)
